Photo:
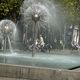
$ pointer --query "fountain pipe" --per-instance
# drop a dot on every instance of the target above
(34, 38)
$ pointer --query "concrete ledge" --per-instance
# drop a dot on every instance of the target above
(4, 78)
(32, 73)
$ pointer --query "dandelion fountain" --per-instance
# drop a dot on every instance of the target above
(36, 16)
(8, 31)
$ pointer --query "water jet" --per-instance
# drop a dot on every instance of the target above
(8, 33)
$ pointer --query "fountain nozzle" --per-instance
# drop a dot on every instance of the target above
(35, 17)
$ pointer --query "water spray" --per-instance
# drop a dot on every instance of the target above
(7, 29)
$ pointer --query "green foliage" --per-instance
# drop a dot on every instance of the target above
(9, 8)
(71, 10)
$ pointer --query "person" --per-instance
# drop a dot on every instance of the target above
(75, 38)
(42, 44)
(61, 44)
(42, 41)
(36, 44)
(49, 47)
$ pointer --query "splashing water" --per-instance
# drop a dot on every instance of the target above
(38, 15)
(8, 31)
(10, 46)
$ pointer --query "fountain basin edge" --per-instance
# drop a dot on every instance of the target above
(37, 73)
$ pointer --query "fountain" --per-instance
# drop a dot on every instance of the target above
(8, 33)
(37, 18)
(40, 21)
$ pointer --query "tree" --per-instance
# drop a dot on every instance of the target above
(71, 10)
(10, 9)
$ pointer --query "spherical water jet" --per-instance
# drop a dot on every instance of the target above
(8, 32)
(36, 16)
(39, 18)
